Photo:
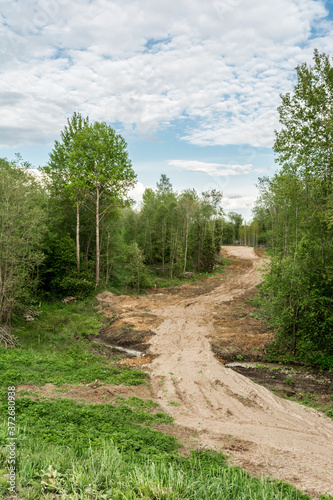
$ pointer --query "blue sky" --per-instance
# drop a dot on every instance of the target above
(192, 86)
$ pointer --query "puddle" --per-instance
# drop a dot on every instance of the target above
(271, 366)
(131, 352)
(256, 364)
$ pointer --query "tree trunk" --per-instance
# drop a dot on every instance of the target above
(296, 232)
(97, 237)
(78, 237)
(87, 250)
(294, 332)
(107, 258)
(163, 245)
(186, 243)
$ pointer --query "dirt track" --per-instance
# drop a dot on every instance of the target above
(261, 432)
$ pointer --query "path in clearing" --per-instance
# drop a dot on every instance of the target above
(265, 434)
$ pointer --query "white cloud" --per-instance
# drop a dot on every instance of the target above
(222, 63)
(214, 169)
(238, 203)
(136, 192)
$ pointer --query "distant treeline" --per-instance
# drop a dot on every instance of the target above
(72, 229)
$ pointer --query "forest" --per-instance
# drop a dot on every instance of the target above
(72, 229)
(78, 231)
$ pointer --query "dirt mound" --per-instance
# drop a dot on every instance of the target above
(265, 434)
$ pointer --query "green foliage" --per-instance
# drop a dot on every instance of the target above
(22, 227)
(74, 366)
(53, 349)
(79, 287)
(293, 209)
(228, 236)
(208, 253)
(237, 220)
(59, 269)
(89, 174)
(73, 425)
(139, 277)
(289, 380)
(104, 451)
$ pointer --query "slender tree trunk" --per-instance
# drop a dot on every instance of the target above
(78, 237)
(87, 250)
(107, 258)
(97, 237)
(186, 244)
(296, 232)
(294, 332)
(163, 245)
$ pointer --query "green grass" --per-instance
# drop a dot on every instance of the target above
(53, 349)
(314, 401)
(72, 366)
(110, 452)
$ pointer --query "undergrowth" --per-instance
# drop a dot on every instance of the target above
(118, 282)
(53, 349)
(86, 452)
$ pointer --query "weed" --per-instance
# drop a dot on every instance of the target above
(71, 358)
(289, 380)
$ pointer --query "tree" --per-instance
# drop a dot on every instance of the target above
(63, 177)
(208, 252)
(99, 158)
(22, 227)
(305, 140)
(139, 277)
(164, 186)
(188, 204)
(295, 207)
(237, 221)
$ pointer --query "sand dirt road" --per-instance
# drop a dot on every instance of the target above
(261, 432)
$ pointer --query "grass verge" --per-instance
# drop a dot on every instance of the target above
(53, 349)
(73, 451)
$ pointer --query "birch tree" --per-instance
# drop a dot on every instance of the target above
(104, 170)
(66, 177)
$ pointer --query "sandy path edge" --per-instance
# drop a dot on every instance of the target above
(263, 433)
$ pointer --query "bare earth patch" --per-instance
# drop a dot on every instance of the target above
(262, 432)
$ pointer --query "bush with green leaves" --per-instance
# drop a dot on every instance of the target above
(139, 278)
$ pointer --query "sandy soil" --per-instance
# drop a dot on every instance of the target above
(263, 433)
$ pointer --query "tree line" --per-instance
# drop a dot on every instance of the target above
(294, 216)
(72, 228)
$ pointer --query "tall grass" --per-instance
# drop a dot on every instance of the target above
(107, 473)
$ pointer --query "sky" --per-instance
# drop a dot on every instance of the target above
(192, 86)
